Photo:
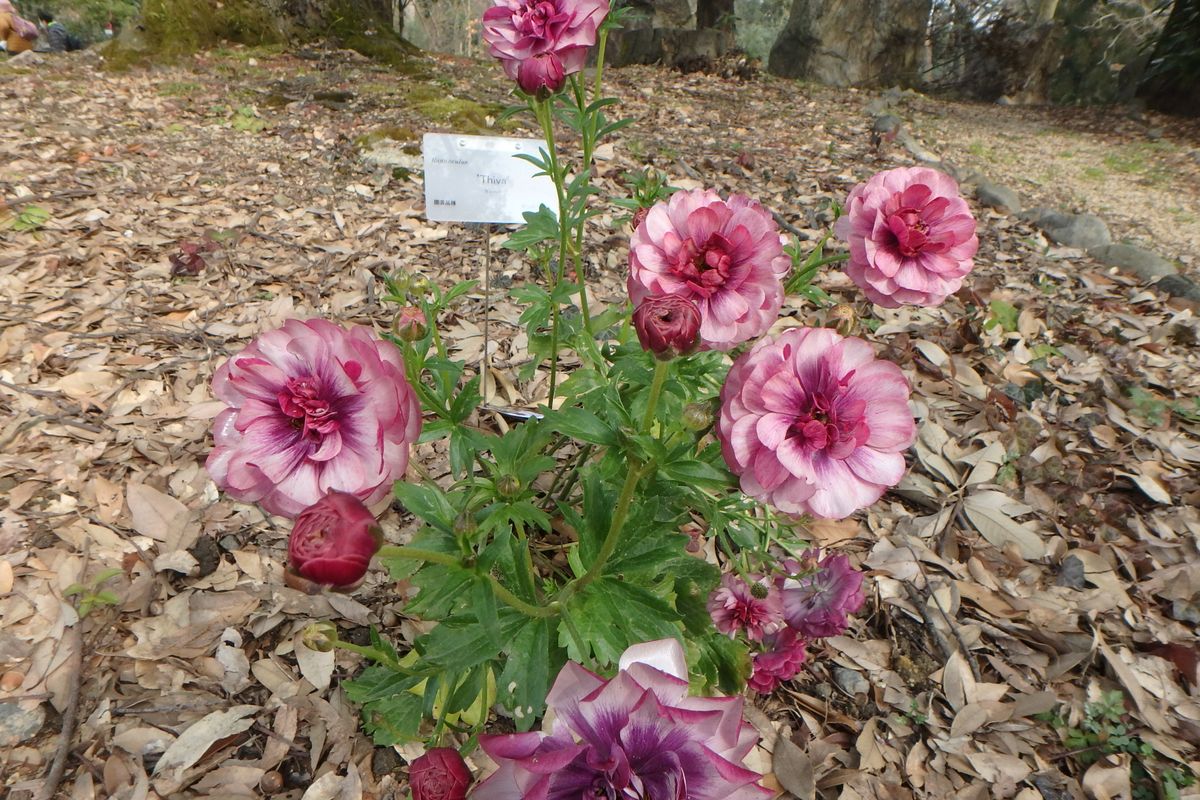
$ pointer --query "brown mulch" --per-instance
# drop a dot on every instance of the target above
(1042, 550)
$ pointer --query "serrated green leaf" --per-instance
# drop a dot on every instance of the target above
(530, 663)
(582, 425)
(426, 502)
(459, 642)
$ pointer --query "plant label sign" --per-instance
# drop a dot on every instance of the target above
(479, 179)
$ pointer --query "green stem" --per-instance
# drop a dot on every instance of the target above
(617, 525)
(546, 117)
(372, 653)
(600, 61)
(656, 387)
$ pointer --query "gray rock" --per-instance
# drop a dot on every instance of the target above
(1002, 198)
(19, 724)
(1133, 260)
(1084, 231)
(1179, 286)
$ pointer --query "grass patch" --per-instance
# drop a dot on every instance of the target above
(459, 113)
(179, 88)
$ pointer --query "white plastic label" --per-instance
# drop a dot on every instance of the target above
(479, 179)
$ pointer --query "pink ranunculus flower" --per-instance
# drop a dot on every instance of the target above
(542, 75)
(638, 735)
(814, 424)
(313, 408)
(725, 256)
(518, 31)
(755, 608)
(780, 660)
(818, 601)
(440, 774)
(911, 237)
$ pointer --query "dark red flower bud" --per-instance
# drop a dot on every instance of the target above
(667, 326)
(333, 540)
(541, 75)
(440, 774)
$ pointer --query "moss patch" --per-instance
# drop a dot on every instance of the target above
(437, 105)
(393, 133)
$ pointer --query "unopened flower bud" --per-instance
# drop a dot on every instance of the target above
(440, 774)
(418, 286)
(409, 324)
(320, 636)
(843, 318)
(508, 486)
(463, 524)
(667, 326)
(541, 75)
(697, 416)
(332, 541)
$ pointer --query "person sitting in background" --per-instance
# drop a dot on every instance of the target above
(18, 34)
(55, 39)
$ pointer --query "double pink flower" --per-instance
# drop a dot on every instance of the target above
(725, 256)
(540, 42)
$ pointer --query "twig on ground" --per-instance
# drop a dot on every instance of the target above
(70, 714)
(41, 198)
(789, 227)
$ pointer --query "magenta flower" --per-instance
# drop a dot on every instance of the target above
(817, 604)
(911, 237)
(519, 31)
(440, 774)
(755, 608)
(636, 736)
(313, 408)
(332, 541)
(541, 75)
(725, 256)
(780, 660)
(814, 424)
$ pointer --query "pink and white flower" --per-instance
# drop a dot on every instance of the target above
(818, 603)
(725, 256)
(638, 735)
(546, 39)
(755, 608)
(814, 424)
(313, 408)
(912, 238)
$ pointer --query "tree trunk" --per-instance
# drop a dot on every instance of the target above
(716, 14)
(860, 43)
(1172, 80)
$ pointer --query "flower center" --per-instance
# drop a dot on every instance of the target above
(837, 428)
(705, 268)
(533, 18)
(311, 414)
(910, 230)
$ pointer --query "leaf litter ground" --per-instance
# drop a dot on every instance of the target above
(1040, 556)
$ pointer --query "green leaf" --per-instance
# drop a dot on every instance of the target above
(459, 642)
(426, 502)
(1002, 314)
(581, 425)
(525, 681)
(611, 615)
(698, 473)
(442, 589)
(720, 662)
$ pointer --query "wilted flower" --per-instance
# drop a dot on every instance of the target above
(409, 324)
(725, 256)
(667, 326)
(814, 424)
(518, 31)
(440, 774)
(638, 218)
(780, 660)
(911, 237)
(313, 408)
(638, 735)
(817, 604)
(332, 541)
(754, 608)
(541, 75)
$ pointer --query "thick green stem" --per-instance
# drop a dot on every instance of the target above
(546, 117)
(656, 387)
(600, 45)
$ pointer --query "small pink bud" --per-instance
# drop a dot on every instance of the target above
(409, 324)
(541, 75)
(333, 540)
(639, 217)
(667, 326)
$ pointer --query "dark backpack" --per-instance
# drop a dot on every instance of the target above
(74, 42)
